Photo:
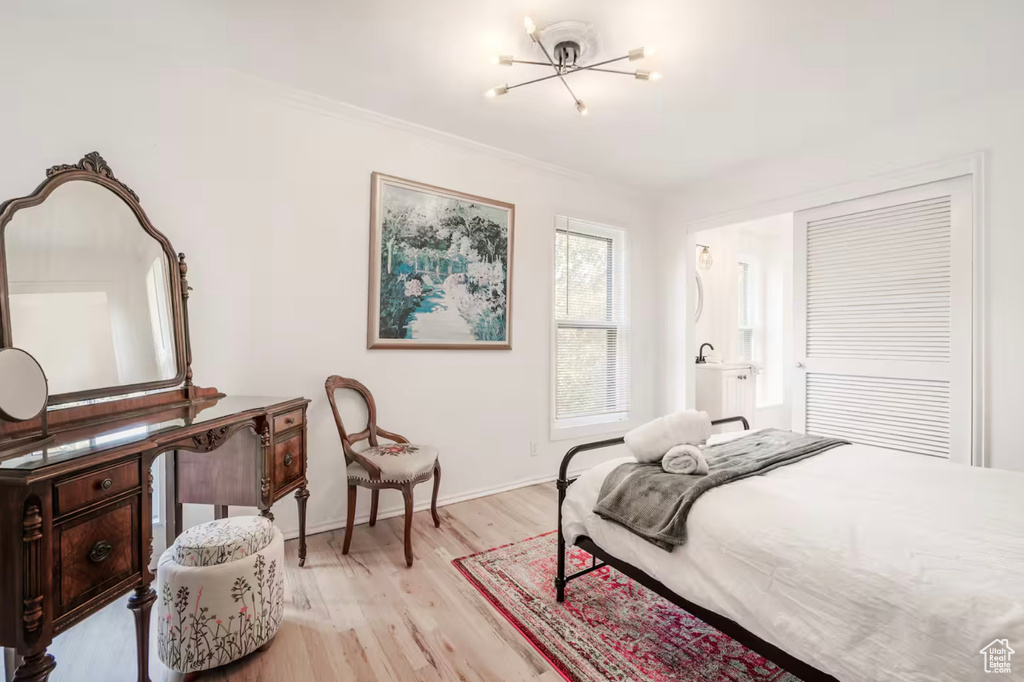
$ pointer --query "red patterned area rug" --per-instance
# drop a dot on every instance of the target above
(609, 627)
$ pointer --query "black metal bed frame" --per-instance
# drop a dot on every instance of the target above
(730, 627)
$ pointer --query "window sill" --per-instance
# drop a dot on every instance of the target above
(609, 425)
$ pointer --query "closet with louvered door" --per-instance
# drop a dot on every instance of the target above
(883, 320)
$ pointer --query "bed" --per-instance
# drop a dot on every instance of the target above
(859, 564)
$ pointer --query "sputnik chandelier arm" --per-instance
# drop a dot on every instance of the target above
(567, 53)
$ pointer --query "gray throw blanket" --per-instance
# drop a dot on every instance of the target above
(654, 504)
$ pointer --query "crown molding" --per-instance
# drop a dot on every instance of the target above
(326, 106)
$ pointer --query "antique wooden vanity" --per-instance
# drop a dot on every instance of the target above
(91, 289)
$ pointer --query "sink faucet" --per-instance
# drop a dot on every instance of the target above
(700, 354)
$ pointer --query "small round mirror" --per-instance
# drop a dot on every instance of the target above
(23, 389)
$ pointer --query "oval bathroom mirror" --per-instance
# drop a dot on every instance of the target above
(700, 298)
(23, 388)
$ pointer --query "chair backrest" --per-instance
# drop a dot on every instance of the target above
(348, 441)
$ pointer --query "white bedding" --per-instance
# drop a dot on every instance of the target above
(869, 564)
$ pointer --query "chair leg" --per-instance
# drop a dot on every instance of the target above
(374, 497)
(351, 518)
(433, 499)
(407, 494)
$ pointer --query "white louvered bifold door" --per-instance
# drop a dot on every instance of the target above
(883, 320)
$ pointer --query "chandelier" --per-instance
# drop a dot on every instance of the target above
(565, 61)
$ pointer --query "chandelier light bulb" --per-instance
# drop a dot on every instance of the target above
(647, 75)
(504, 60)
(530, 27)
(496, 91)
(581, 107)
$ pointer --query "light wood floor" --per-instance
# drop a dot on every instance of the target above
(365, 616)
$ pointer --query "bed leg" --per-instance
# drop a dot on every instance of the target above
(560, 575)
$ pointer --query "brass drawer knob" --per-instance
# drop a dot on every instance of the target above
(289, 420)
(288, 459)
(100, 551)
(106, 484)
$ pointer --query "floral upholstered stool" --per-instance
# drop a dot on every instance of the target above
(220, 590)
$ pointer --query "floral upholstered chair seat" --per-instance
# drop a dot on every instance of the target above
(398, 462)
(220, 593)
(224, 541)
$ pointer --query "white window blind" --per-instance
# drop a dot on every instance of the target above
(592, 357)
(745, 342)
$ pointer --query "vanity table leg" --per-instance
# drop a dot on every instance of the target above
(35, 667)
(140, 603)
(220, 511)
(267, 514)
(301, 495)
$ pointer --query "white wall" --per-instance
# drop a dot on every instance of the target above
(267, 192)
(993, 125)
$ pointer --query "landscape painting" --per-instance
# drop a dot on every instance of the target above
(440, 268)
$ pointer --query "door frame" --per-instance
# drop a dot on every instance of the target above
(971, 164)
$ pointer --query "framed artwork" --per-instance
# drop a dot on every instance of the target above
(440, 268)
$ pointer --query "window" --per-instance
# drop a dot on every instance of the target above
(592, 358)
(745, 341)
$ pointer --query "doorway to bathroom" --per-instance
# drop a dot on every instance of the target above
(745, 303)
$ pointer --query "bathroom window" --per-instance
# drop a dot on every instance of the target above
(745, 317)
(591, 344)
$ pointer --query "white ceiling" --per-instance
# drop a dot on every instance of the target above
(744, 80)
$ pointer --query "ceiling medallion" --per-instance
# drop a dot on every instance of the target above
(564, 45)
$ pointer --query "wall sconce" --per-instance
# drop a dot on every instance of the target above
(704, 260)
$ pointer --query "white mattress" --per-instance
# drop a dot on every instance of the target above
(869, 564)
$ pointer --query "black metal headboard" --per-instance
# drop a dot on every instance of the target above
(596, 445)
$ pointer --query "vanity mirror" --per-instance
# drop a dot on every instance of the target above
(89, 287)
(23, 389)
(23, 396)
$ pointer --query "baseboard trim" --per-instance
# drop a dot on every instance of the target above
(423, 504)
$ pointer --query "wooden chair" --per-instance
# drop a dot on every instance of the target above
(400, 465)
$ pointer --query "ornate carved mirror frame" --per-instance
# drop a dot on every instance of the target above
(93, 168)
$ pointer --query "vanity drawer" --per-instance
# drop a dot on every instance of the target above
(97, 552)
(98, 485)
(288, 460)
(287, 421)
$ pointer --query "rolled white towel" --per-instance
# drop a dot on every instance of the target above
(650, 442)
(685, 459)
